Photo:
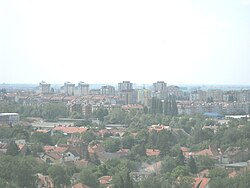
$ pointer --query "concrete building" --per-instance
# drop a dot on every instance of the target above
(215, 94)
(107, 90)
(125, 86)
(9, 118)
(44, 87)
(143, 96)
(126, 93)
(69, 88)
(160, 89)
(82, 89)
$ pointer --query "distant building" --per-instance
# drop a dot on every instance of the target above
(82, 89)
(143, 96)
(95, 92)
(44, 87)
(160, 89)
(126, 92)
(125, 86)
(69, 88)
(9, 118)
(107, 90)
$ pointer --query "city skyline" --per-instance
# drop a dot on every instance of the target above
(179, 42)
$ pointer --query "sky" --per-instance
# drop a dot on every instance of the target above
(97, 41)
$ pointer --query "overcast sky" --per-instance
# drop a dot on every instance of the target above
(108, 41)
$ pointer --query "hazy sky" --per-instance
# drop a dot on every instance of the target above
(108, 41)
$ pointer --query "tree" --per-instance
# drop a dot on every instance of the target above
(184, 182)
(101, 113)
(127, 142)
(204, 162)
(180, 159)
(122, 180)
(42, 138)
(192, 165)
(12, 149)
(59, 176)
(88, 178)
(179, 171)
(24, 173)
(52, 111)
(168, 165)
(89, 136)
(112, 145)
(217, 172)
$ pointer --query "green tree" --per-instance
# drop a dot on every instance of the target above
(88, 178)
(100, 114)
(204, 162)
(180, 159)
(59, 176)
(89, 136)
(192, 165)
(179, 171)
(24, 174)
(217, 172)
(168, 165)
(12, 149)
(44, 138)
(127, 142)
(111, 145)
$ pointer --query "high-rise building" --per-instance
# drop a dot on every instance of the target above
(127, 93)
(108, 90)
(82, 89)
(125, 86)
(160, 89)
(44, 87)
(143, 96)
(69, 88)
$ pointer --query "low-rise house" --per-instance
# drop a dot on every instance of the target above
(44, 181)
(81, 163)
(105, 180)
(204, 173)
(153, 152)
(158, 128)
(185, 151)
(68, 130)
(80, 185)
(235, 154)
(211, 151)
(201, 183)
(232, 174)
(153, 168)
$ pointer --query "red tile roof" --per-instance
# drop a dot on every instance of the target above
(42, 131)
(201, 182)
(232, 174)
(184, 149)
(204, 152)
(152, 152)
(158, 128)
(132, 106)
(70, 130)
(104, 180)
(57, 149)
(80, 185)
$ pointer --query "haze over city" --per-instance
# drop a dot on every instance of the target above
(180, 42)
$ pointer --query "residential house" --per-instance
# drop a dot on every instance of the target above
(105, 180)
(69, 130)
(153, 152)
(80, 185)
(234, 155)
(44, 181)
(158, 128)
(201, 183)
